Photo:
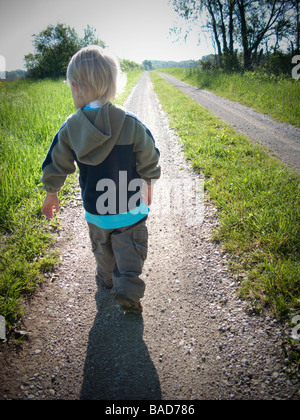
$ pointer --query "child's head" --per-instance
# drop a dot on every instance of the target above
(93, 73)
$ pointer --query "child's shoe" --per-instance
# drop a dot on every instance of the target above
(128, 305)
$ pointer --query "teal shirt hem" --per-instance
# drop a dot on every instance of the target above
(115, 221)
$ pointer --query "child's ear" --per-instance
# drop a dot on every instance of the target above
(75, 86)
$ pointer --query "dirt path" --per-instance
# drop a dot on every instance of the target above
(283, 139)
(194, 339)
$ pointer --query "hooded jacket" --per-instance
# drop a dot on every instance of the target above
(112, 149)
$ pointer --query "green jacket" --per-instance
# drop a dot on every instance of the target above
(104, 143)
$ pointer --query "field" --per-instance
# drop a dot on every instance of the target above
(30, 115)
(276, 96)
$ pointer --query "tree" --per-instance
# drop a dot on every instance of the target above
(246, 23)
(147, 64)
(295, 27)
(128, 65)
(90, 38)
(54, 47)
(260, 21)
(219, 17)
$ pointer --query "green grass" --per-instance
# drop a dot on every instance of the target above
(257, 197)
(278, 97)
(31, 112)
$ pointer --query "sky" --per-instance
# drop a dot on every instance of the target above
(137, 30)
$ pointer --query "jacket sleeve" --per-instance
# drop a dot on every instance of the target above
(58, 164)
(146, 154)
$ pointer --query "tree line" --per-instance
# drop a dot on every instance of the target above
(251, 26)
(156, 64)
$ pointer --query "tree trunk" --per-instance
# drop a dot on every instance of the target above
(223, 28)
(215, 29)
(231, 27)
(298, 27)
(244, 34)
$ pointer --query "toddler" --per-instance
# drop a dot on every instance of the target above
(118, 162)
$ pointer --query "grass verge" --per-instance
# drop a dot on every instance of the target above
(278, 97)
(31, 112)
(257, 197)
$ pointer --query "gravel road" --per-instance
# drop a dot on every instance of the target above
(280, 138)
(194, 340)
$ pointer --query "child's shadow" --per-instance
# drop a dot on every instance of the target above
(118, 365)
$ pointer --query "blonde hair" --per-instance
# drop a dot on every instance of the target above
(95, 72)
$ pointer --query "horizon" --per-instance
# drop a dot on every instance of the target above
(2, 66)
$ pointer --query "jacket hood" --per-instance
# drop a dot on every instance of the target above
(91, 134)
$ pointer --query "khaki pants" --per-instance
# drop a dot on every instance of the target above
(120, 255)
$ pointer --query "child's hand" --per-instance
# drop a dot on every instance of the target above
(147, 193)
(51, 200)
